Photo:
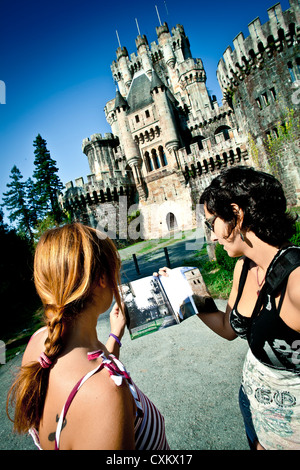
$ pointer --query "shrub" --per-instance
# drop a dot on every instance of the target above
(17, 291)
(296, 237)
(223, 259)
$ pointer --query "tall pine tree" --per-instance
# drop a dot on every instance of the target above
(47, 183)
(16, 202)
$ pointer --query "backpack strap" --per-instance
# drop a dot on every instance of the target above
(283, 264)
(282, 267)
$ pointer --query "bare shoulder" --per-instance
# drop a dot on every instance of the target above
(293, 290)
(105, 413)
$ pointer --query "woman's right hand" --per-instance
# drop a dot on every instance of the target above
(163, 272)
(117, 320)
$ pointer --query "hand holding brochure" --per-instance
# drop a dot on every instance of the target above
(156, 302)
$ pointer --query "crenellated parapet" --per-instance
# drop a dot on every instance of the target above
(258, 79)
(104, 154)
(95, 192)
(282, 31)
(226, 149)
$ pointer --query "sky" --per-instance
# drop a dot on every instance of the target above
(55, 59)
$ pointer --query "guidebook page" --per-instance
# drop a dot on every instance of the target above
(179, 291)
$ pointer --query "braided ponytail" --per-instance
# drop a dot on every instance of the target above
(54, 343)
(68, 261)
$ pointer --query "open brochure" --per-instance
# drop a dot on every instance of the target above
(156, 302)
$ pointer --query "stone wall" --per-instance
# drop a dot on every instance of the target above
(258, 79)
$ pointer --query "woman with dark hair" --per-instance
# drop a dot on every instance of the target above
(246, 212)
(72, 392)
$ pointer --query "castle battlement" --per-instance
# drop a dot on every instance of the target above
(215, 153)
(170, 137)
(96, 191)
(107, 139)
(282, 30)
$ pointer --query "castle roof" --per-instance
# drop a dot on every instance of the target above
(155, 80)
(120, 101)
(139, 95)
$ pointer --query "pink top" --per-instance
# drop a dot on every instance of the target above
(149, 426)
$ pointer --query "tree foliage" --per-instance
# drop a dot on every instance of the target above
(30, 203)
(16, 201)
(47, 183)
(32, 207)
(17, 290)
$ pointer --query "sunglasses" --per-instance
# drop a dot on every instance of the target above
(210, 222)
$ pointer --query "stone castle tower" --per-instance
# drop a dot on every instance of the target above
(170, 137)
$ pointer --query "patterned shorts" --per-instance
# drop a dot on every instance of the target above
(270, 403)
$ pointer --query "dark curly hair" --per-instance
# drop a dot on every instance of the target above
(261, 198)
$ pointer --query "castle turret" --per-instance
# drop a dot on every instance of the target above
(192, 78)
(163, 106)
(99, 151)
(121, 70)
(129, 145)
(164, 36)
(181, 43)
(143, 51)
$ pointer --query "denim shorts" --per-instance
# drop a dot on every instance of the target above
(246, 413)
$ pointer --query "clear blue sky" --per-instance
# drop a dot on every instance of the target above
(55, 59)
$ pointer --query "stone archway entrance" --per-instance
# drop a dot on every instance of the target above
(171, 222)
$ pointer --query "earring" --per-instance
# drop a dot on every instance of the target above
(242, 236)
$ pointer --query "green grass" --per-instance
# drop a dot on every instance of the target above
(218, 274)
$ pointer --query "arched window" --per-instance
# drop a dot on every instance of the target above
(162, 156)
(261, 47)
(218, 160)
(193, 170)
(298, 66)
(148, 162)
(108, 193)
(199, 168)
(102, 196)
(291, 70)
(155, 159)
(186, 173)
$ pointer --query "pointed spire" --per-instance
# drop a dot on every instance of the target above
(120, 101)
(156, 82)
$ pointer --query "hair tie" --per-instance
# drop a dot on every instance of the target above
(44, 361)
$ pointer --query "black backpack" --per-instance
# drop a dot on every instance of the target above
(285, 261)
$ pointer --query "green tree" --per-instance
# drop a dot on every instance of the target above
(3, 226)
(47, 183)
(18, 295)
(16, 202)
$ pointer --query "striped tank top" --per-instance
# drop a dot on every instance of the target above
(149, 426)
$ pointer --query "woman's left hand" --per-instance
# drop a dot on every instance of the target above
(117, 321)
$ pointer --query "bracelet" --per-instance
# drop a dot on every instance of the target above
(116, 338)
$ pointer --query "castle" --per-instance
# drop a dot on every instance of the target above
(170, 137)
